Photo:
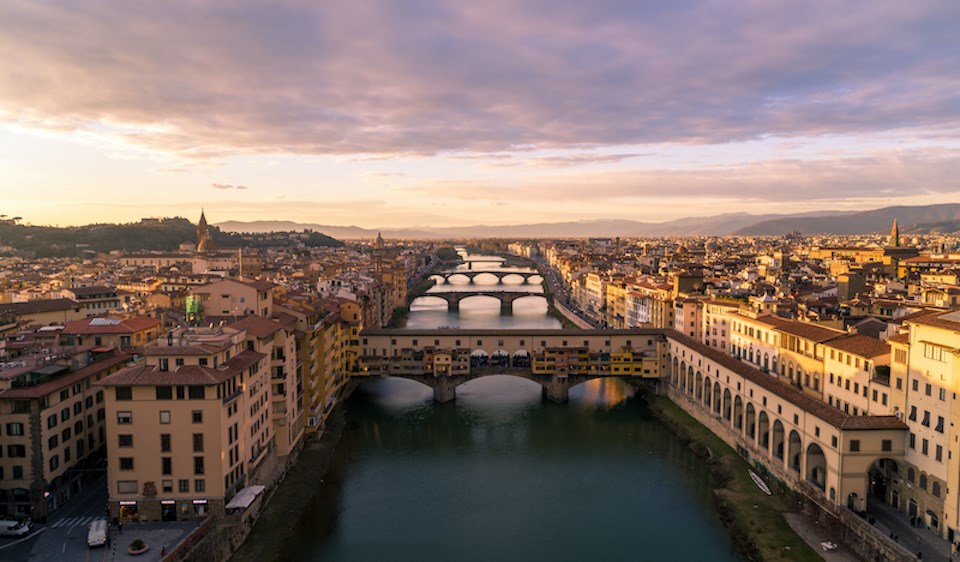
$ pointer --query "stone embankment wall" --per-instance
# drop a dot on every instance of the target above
(856, 533)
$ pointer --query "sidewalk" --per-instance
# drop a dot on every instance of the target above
(157, 535)
(813, 535)
(914, 539)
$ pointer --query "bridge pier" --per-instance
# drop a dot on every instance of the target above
(506, 308)
(444, 391)
(453, 306)
(557, 391)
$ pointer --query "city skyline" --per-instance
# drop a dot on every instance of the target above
(383, 115)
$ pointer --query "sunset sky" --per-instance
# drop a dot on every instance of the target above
(435, 113)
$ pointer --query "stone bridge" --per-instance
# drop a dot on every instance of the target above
(506, 298)
(555, 388)
(500, 275)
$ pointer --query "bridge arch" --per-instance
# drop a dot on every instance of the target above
(479, 358)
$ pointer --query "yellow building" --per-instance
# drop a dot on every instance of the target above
(188, 428)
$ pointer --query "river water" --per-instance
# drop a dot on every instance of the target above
(503, 474)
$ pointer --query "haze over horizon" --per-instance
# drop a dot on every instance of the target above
(440, 113)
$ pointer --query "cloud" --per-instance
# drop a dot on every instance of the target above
(227, 186)
(881, 174)
(371, 78)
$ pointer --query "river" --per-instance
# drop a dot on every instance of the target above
(503, 474)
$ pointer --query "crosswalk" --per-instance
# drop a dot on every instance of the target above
(75, 521)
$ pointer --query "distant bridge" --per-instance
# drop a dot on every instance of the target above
(506, 298)
(500, 275)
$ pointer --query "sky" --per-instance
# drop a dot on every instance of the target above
(387, 114)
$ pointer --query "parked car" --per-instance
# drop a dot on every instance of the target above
(14, 528)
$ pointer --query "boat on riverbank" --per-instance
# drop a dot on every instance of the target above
(759, 482)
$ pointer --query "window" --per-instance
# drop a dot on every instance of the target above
(928, 389)
(183, 485)
(178, 362)
(16, 451)
(913, 413)
(199, 485)
(911, 475)
(127, 486)
(53, 442)
(854, 445)
(197, 442)
(166, 466)
(77, 408)
(52, 421)
(198, 416)
(124, 393)
(164, 442)
(196, 392)
(15, 428)
(926, 418)
(54, 462)
(198, 465)
(167, 486)
(886, 445)
(164, 364)
(925, 447)
(939, 424)
(125, 440)
(164, 416)
(938, 454)
(923, 481)
(916, 385)
(126, 463)
(935, 489)
(164, 393)
(124, 418)
(913, 441)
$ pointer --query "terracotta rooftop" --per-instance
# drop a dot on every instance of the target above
(151, 375)
(109, 325)
(65, 381)
(37, 306)
(809, 331)
(811, 405)
(861, 345)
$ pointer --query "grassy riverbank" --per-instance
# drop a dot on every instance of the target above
(754, 519)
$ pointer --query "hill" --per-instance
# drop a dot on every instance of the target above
(866, 222)
(164, 235)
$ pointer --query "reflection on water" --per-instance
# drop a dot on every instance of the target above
(502, 474)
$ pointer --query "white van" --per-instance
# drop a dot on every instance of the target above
(97, 535)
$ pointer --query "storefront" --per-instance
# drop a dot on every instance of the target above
(129, 511)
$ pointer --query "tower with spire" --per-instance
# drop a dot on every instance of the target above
(204, 242)
(894, 240)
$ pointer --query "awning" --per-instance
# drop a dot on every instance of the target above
(245, 497)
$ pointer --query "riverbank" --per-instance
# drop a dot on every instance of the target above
(281, 516)
(755, 521)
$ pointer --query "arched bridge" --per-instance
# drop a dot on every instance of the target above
(500, 275)
(506, 298)
(555, 388)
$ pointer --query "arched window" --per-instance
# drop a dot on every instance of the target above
(935, 489)
(911, 475)
(923, 481)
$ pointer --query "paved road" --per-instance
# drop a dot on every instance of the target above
(889, 520)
